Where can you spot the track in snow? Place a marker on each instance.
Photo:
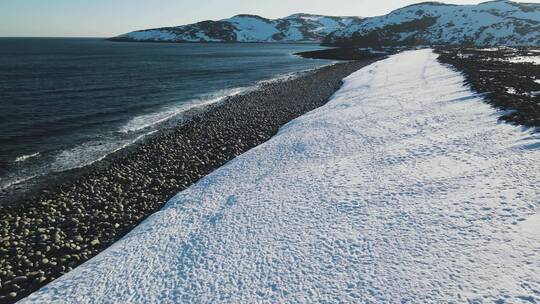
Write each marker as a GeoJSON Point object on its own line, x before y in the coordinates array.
{"type": "Point", "coordinates": [403, 188]}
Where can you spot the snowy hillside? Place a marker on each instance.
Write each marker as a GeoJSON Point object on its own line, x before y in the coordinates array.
{"type": "Point", "coordinates": [404, 188]}
{"type": "Point", "coordinates": [247, 28]}
{"type": "Point", "coordinates": [489, 23]}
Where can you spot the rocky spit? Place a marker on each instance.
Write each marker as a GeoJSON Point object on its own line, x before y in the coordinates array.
{"type": "Point", "coordinates": [508, 85]}
{"type": "Point", "coordinates": [48, 235]}
{"type": "Point", "coordinates": [342, 53]}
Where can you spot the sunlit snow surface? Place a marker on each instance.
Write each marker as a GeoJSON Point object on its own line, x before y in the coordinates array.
{"type": "Point", "coordinates": [526, 59]}
{"type": "Point", "coordinates": [404, 188]}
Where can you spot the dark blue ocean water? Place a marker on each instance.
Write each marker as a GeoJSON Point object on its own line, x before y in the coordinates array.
{"type": "Point", "coordinates": [65, 103]}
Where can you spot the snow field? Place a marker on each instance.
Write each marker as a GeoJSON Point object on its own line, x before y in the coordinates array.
{"type": "Point", "coordinates": [404, 188]}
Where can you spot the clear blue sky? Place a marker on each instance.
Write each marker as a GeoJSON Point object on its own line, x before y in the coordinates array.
{"type": "Point", "coordinates": [104, 18]}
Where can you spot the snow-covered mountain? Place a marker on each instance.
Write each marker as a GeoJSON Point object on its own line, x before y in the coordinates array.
{"type": "Point", "coordinates": [247, 28]}
{"type": "Point", "coordinates": [488, 23]}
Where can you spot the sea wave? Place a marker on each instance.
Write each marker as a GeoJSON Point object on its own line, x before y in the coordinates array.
{"type": "Point", "coordinates": [77, 157]}
{"type": "Point", "coordinates": [148, 120]}
{"type": "Point", "coordinates": [13, 182]}
{"type": "Point", "coordinates": [91, 152]}
{"type": "Point", "coordinates": [142, 122]}
{"type": "Point", "coordinates": [26, 157]}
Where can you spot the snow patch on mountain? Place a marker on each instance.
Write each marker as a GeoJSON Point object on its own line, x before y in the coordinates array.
{"type": "Point", "coordinates": [253, 28]}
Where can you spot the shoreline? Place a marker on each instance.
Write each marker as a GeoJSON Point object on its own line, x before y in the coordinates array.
{"type": "Point", "coordinates": [19, 193]}
{"type": "Point", "coordinates": [50, 233]}
{"type": "Point", "coordinates": [30, 188]}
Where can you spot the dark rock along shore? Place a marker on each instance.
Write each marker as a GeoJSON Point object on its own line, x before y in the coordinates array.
{"type": "Point", "coordinates": [489, 73]}
{"type": "Point", "coordinates": [342, 53]}
{"type": "Point", "coordinates": [48, 235]}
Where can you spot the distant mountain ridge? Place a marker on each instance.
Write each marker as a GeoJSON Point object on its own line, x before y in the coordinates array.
{"type": "Point", "coordinates": [431, 23]}
{"type": "Point", "coordinates": [247, 28]}
{"type": "Point", "coordinates": [499, 22]}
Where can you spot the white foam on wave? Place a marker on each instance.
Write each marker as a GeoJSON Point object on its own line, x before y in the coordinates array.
{"type": "Point", "coordinates": [13, 182]}
{"type": "Point", "coordinates": [282, 77]}
{"type": "Point", "coordinates": [26, 157]}
{"type": "Point", "coordinates": [77, 157]}
{"type": "Point", "coordinates": [91, 152]}
{"type": "Point", "coordinates": [148, 120]}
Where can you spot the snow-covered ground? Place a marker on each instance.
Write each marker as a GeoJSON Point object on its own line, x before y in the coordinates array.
{"type": "Point", "coordinates": [404, 188]}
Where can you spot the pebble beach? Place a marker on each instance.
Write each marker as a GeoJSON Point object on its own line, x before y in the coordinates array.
{"type": "Point", "coordinates": [46, 235]}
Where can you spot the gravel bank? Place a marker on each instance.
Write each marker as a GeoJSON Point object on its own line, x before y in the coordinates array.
{"type": "Point", "coordinates": [49, 235]}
